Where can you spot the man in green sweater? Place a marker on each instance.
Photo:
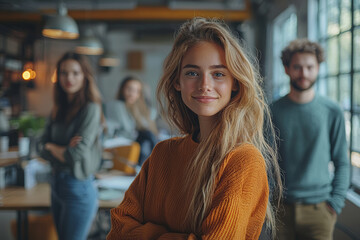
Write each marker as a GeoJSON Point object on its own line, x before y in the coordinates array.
{"type": "Point", "coordinates": [311, 135]}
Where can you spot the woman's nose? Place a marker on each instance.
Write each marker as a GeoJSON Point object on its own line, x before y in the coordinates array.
{"type": "Point", "coordinates": [68, 77]}
{"type": "Point", "coordinates": [205, 83]}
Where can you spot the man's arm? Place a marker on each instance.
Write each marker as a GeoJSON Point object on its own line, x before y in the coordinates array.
{"type": "Point", "coordinates": [339, 156]}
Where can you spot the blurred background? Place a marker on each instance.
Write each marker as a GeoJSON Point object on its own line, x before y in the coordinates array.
{"type": "Point", "coordinates": [123, 37]}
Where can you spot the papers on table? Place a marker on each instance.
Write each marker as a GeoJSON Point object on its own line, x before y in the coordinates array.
{"type": "Point", "coordinates": [116, 142]}
{"type": "Point", "coordinates": [116, 182]}
{"type": "Point", "coordinates": [111, 188]}
{"type": "Point", "coordinates": [110, 194]}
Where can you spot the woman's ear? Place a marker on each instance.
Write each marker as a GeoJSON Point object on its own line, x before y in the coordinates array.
{"type": "Point", "coordinates": [235, 85]}
{"type": "Point", "coordinates": [177, 86]}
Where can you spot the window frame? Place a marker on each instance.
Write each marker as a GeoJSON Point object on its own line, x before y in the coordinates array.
{"type": "Point", "coordinates": [275, 68]}
{"type": "Point", "coordinates": [350, 111]}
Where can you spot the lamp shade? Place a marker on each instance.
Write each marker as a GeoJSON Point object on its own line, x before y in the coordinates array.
{"type": "Point", "coordinates": [61, 26]}
{"type": "Point", "coordinates": [109, 60]}
{"type": "Point", "coordinates": [90, 45]}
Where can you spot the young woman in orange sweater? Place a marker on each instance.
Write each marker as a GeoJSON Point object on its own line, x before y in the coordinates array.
{"type": "Point", "coordinates": [212, 183]}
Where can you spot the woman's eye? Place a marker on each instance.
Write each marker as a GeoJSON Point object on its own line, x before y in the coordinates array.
{"type": "Point", "coordinates": [219, 74]}
{"type": "Point", "coordinates": [191, 74]}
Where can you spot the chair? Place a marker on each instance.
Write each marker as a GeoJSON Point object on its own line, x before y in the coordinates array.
{"type": "Point", "coordinates": [41, 227]}
{"type": "Point", "coordinates": [125, 158]}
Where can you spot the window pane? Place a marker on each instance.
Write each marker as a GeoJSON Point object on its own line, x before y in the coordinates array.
{"type": "Point", "coordinates": [322, 19]}
{"type": "Point", "coordinates": [356, 12]}
{"type": "Point", "coordinates": [332, 88]}
{"type": "Point", "coordinates": [323, 66]}
{"type": "Point", "coordinates": [322, 5]}
{"type": "Point", "coordinates": [284, 31]}
{"type": "Point", "coordinates": [284, 89]}
{"type": "Point", "coordinates": [355, 161]}
{"type": "Point", "coordinates": [356, 132]}
{"type": "Point", "coordinates": [357, 49]}
{"type": "Point", "coordinates": [321, 86]}
{"type": "Point", "coordinates": [336, 34]}
{"type": "Point", "coordinates": [345, 91]}
{"type": "Point", "coordinates": [333, 56]}
{"type": "Point", "coordinates": [347, 117]}
{"type": "Point", "coordinates": [333, 18]}
{"type": "Point", "coordinates": [356, 92]}
{"type": "Point", "coordinates": [345, 53]}
{"type": "Point", "coordinates": [345, 17]}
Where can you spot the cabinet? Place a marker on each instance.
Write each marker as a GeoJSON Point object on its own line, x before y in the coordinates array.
{"type": "Point", "coordinates": [15, 55]}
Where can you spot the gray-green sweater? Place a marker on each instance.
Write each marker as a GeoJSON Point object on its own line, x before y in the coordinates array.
{"type": "Point", "coordinates": [310, 136]}
{"type": "Point", "coordinates": [83, 159]}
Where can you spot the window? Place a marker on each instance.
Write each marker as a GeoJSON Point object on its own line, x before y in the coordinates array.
{"type": "Point", "coordinates": [339, 79]}
{"type": "Point", "coordinates": [284, 31]}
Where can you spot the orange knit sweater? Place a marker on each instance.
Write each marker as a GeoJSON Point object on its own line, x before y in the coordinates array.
{"type": "Point", "coordinates": [154, 208]}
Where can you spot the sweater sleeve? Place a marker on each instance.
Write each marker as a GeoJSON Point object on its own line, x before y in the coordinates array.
{"type": "Point", "coordinates": [341, 162]}
{"type": "Point", "coordinates": [86, 154]}
{"type": "Point", "coordinates": [45, 138]}
{"type": "Point", "coordinates": [240, 201]}
{"type": "Point", "coordinates": [127, 220]}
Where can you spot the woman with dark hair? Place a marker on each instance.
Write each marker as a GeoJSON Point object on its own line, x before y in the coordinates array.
{"type": "Point", "coordinates": [133, 117]}
{"type": "Point", "coordinates": [212, 182]}
{"type": "Point", "coordinates": [71, 143]}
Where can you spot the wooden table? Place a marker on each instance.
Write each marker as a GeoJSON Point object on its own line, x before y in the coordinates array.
{"type": "Point", "coordinates": [37, 198]}
{"type": "Point", "coordinates": [9, 158]}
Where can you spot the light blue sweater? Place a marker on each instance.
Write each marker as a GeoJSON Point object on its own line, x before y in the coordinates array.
{"type": "Point", "coordinates": [310, 136]}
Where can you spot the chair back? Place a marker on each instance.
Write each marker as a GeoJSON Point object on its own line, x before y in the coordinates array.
{"type": "Point", "coordinates": [125, 158]}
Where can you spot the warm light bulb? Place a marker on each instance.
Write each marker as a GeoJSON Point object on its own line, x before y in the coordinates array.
{"type": "Point", "coordinates": [26, 75]}
{"type": "Point", "coordinates": [32, 74]}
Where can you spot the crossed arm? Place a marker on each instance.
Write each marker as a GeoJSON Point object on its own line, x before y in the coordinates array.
{"type": "Point", "coordinates": [58, 151]}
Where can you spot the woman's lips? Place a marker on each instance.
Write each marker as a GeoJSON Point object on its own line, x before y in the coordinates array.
{"type": "Point", "coordinates": [205, 99]}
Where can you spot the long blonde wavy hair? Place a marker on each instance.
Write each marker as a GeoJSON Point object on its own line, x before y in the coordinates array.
{"type": "Point", "coordinates": [241, 121]}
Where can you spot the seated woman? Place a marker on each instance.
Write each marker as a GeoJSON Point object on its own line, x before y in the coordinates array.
{"type": "Point", "coordinates": [130, 117]}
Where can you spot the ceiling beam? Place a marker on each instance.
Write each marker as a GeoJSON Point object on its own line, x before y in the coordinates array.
{"type": "Point", "coordinates": [136, 14]}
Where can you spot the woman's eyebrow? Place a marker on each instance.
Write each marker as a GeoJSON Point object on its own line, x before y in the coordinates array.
{"type": "Point", "coordinates": [196, 66]}
{"type": "Point", "coordinates": [218, 66]}
{"type": "Point", "coordinates": [191, 66]}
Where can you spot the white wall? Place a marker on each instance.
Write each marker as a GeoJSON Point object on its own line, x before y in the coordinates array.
{"type": "Point", "coordinates": [154, 54]}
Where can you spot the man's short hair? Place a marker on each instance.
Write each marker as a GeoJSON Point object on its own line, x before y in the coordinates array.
{"type": "Point", "coordinates": [302, 46]}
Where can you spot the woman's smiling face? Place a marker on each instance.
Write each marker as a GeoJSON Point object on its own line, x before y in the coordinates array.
{"type": "Point", "coordinates": [205, 82]}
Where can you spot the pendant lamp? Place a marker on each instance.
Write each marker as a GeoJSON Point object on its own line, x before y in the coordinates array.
{"type": "Point", "coordinates": [61, 26]}
{"type": "Point", "coordinates": [90, 45]}
{"type": "Point", "coordinates": [109, 60]}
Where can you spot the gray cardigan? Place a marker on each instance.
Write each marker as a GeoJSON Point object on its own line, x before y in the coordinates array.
{"type": "Point", "coordinates": [119, 120]}
{"type": "Point", "coordinates": [83, 159]}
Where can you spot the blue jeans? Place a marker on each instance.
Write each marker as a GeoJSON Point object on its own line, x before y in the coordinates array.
{"type": "Point", "coordinates": [74, 205]}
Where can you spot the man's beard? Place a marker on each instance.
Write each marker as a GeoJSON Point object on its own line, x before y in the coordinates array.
{"type": "Point", "coordinates": [299, 88]}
